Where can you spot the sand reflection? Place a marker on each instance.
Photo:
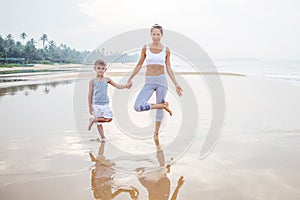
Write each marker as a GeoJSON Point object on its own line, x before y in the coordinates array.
{"type": "Point", "coordinates": [104, 185]}
{"type": "Point", "coordinates": [155, 178]}
{"type": "Point", "coordinates": [32, 87]}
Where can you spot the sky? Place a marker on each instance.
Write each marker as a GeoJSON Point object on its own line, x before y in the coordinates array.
{"type": "Point", "coordinates": [261, 29]}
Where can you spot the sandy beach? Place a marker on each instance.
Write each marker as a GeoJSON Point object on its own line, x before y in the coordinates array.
{"type": "Point", "coordinates": [44, 147]}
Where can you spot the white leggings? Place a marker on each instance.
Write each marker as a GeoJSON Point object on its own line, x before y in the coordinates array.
{"type": "Point", "coordinates": [152, 83]}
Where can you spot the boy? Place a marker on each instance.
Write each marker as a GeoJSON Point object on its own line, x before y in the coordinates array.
{"type": "Point", "coordinates": [98, 99]}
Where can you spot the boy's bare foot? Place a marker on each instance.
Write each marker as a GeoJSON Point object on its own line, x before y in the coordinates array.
{"type": "Point", "coordinates": [92, 157]}
{"type": "Point", "coordinates": [90, 123]}
{"type": "Point", "coordinates": [166, 107]}
{"type": "Point", "coordinates": [103, 140]}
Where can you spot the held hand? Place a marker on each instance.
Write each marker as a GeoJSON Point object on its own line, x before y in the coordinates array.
{"type": "Point", "coordinates": [129, 85]}
{"type": "Point", "coordinates": [134, 192]}
{"type": "Point", "coordinates": [91, 110]}
{"type": "Point", "coordinates": [179, 90]}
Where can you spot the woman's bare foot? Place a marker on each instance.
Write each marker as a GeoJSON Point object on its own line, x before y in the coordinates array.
{"type": "Point", "coordinates": [166, 107]}
{"type": "Point", "coordinates": [168, 167]}
{"type": "Point", "coordinates": [91, 124]}
{"type": "Point", "coordinates": [156, 137]}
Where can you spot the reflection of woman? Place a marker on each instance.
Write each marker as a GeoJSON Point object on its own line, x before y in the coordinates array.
{"type": "Point", "coordinates": [102, 179]}
{"type": "Point", "coordinates": [156, 181]}
{"type": "Point", "coordinates": [157, 56]}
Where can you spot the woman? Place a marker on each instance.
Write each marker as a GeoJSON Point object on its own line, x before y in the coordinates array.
{"type": "Point", "coordinates": [157, 58]}
{"type": "Point", "coordinates": [156, 180]}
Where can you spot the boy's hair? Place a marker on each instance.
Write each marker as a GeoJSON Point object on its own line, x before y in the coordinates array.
{"type": "Point", "coordinates": [100, 62]}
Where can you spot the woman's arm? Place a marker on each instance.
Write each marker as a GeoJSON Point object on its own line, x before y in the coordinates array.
{"type": "Point", "coordinates": [138, 66]}
{"type": "Point", "coordinates": [116, 85]}
{"type": "Point", "coordinates": [90, 95]}
{"type": "Point", "coordinates": [171, 73]}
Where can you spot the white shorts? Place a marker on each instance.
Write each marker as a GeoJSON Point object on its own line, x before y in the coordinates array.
{"type": "Point", "coordinates": [102, 111]}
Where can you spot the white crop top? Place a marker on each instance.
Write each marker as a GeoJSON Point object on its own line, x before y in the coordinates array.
{"type": "Point", "coordinates": [155, 58]}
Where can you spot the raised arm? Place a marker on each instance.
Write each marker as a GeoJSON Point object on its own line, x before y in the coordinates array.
{"type": "Point", "coordinates": [138, 66]}
{"type": "Point", "coordinates": [116, 85]}
{"type": "Point", "coordinates": [171, 73]}
{"type": "Point", "coordinates": [179, 184]}
{"type": "Point", "coordinates": [90, 96]}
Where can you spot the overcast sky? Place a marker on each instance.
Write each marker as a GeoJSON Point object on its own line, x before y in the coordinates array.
{"type": "Point", "coordinates": [263, 29]}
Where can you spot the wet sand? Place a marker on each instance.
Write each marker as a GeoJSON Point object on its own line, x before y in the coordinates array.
{"type": "Point", "coordinates": [45, 154]}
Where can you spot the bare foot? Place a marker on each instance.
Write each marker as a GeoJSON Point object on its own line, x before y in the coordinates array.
{"type": "Point", "coordinates": [166, 107]}
{"type": "Point", "coordinates": [156, 138]}
{"type": "Point", "coordinates": [168, 167]}
{"type": "Point", "coordinates": [103, 140]}
{"type": "Point", "coordinates": [92, 157]}
{"type": "Point", "coordinates": [91, 124]}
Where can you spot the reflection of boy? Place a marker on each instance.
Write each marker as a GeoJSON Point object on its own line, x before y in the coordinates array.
{"type": "Point", "coordinates": [98, 99]}
{"type": "Point", "coordinates": [102, 178]}
{"type": "Point", "coordinates": [156, 181]}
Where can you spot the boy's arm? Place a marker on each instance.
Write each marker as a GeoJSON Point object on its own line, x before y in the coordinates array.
{"type": "Point", "coordinates": [90, 95]}
{"type": "Point", "coordinates": [116, 85]}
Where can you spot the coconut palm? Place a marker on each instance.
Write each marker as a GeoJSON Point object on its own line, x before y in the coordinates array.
{"type": "Point", "coordinates": [44, 38]}
{"type": "Point", "coordinates": [32, 42]}
{"type": "Point", "coordinates": [23, 36]}
{"type": "Point", "coordinates": [52, 49]}
{"type": "Point", "coordinates": [9, 37]}
{"type": "Point", "coordinates": [29, 50]}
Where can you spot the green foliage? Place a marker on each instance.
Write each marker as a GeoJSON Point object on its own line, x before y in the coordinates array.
{"type": "Point", "coordinates": [45, 62]}
{"type": "Point", "coordinates": [10, 65]}
{"type": "Point", "coordinates": [25, 52]}
{"type": "Point", "coordinates": [11, 50]}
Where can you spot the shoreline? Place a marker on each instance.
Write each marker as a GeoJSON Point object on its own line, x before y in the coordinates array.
{"type": "Point", "coordinates": [39, 67]}
{"type": "Point", "coordinates": [41, 73]}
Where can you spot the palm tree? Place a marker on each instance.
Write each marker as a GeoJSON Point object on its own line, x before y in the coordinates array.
{"type": "Point", "coordinates": [23, 36]}
{"type": "Point", "coordinates": [9, 37]}
{"type": "Point", "coordinates": [29, 50]}
{"type": "Point", "coordinates": [9, 44]}
{"type": "Point", "coordinates": [44, 38]}
{"type": "Point", "coordinates": [10, 40]}
{"type": "Point", "coordinates": [32, 42]}
{"type": "Point", "coordinates": [52, 49]}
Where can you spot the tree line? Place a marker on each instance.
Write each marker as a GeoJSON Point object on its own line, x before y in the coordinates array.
{"type": "Point", "coordinates": [112, 57]}
{"type": "Point", "coordinates": [25, 51]}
